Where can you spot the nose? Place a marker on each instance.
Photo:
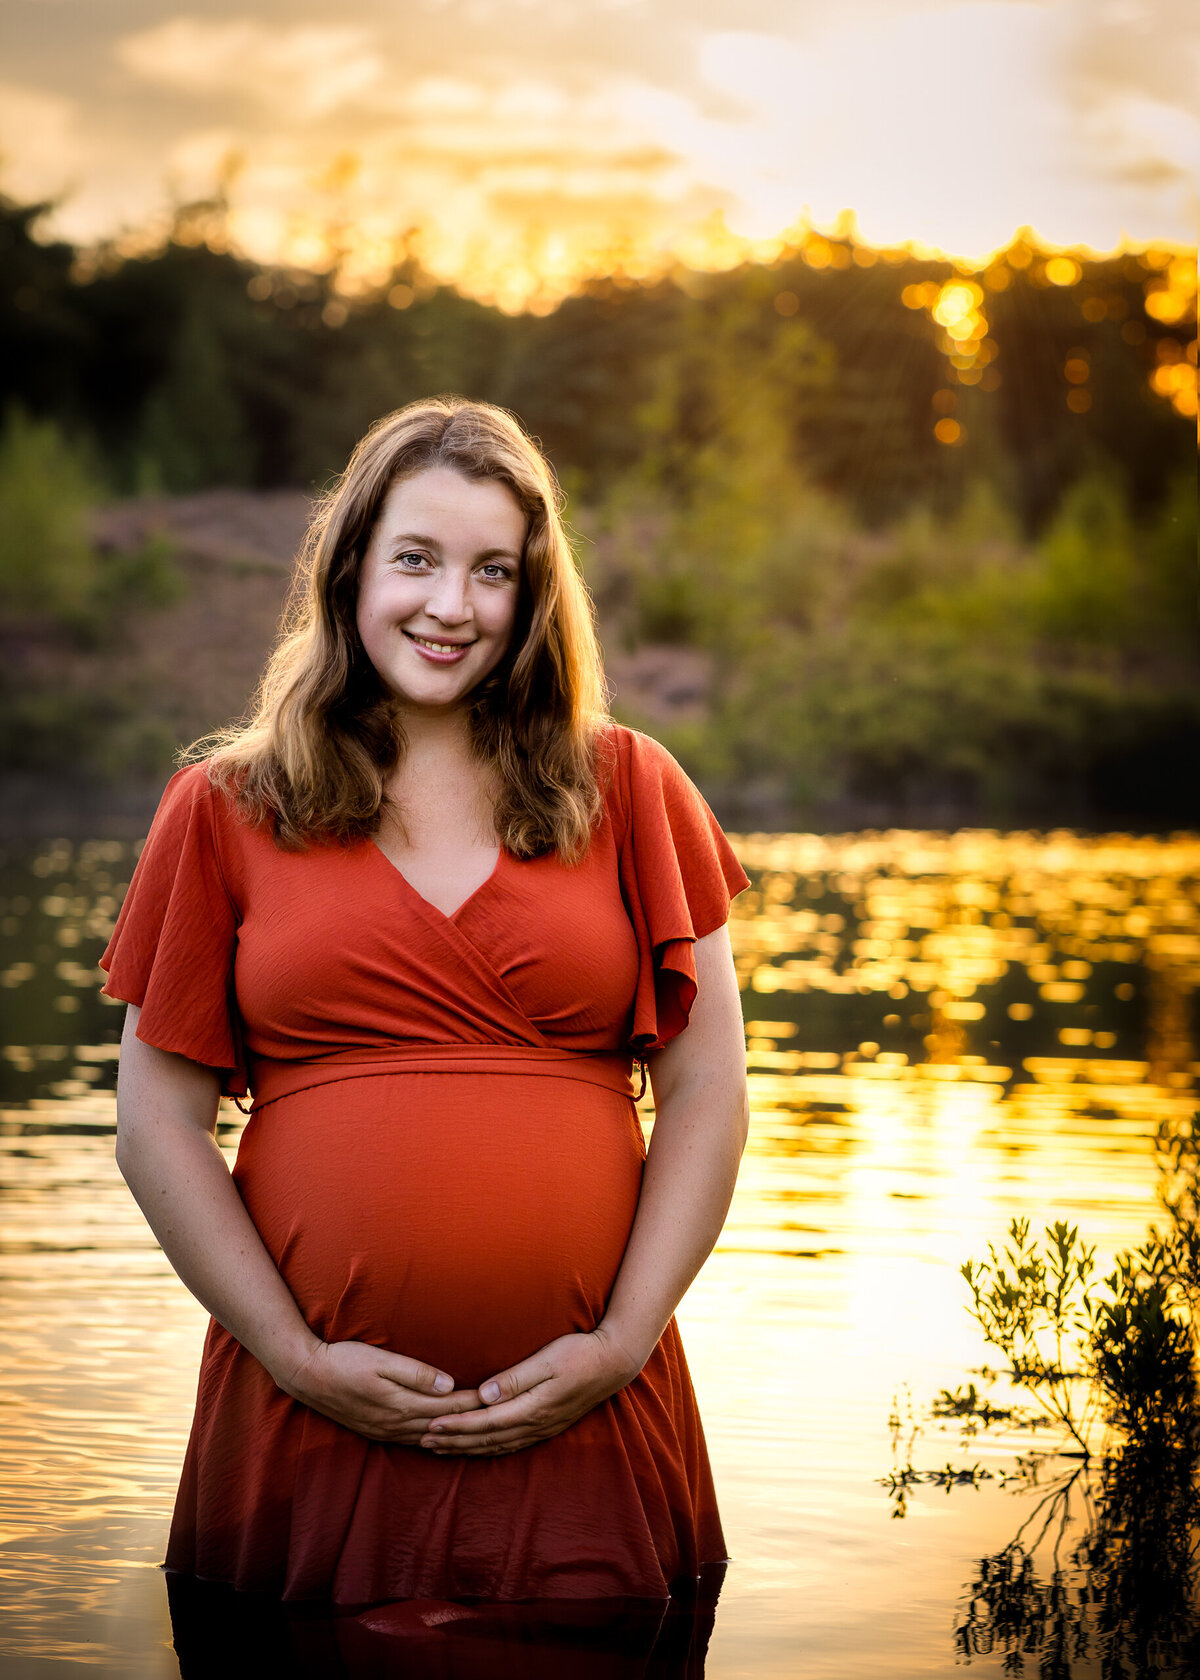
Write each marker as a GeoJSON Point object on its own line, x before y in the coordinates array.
{"type": "Point", "coordinates": [447, 598]}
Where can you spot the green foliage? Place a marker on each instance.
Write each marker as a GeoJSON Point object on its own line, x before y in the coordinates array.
{"type": "Point", "coordinates": [969, 1403]}
{"type": "Point", "coordinates": [1142, 1354]}
{"type": "Point", "coordinates": [52, 729]}
{"type": "Point", "coordinates": [944, 666]}
{"type": "Point", "coordinates": [1168, 545]}
{"type": "Point", "coordinates": [140, 579]}
{"type": "Point", "coordinates": [1179, 1147]}
{"type": "Point", "coordinates": [703, 520]}
{"type": "Point", "coordinates": [1131, 1353]}
{"type": "Point", "coordinates": [1122, 1570]}
{"type": "Point", "coordinates": [947, 1477]}
{"type": "Point", "coordinates": [1086, 587]}
{"type": "Point", "coordinates": [50, 569]}
{"type": "Point", "coordinates": [65, 599]}
{"type": "Point", "coordinates": [192, 430]}
{"type": "Point", "coordinates": [1033, 1307]}
{"type": "Point", "coordinates": [47, 486]}
{"type": "Point", "coordinates": [732, 386]}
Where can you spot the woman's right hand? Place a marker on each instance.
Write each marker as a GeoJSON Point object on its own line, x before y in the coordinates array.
{"type": "Point", "coordinates": [375, 1392]}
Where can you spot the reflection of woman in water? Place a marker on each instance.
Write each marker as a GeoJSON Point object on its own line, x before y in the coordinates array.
{"type": "Point", "coordinates": [425, 907]}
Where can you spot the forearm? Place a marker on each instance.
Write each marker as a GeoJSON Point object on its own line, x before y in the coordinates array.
{"type": "Point", "coordinates": [182, 1185]}
{"type": "Point", "coordinates": [180, 1180]}
{"type": "Point", "coordinates": [688, 1183]}
{"type": "Point", "coordinates": [173, 1165]}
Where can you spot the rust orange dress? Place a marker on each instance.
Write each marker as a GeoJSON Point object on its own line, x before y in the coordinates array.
{"type": "Point", "coordinates": [443, 1157]}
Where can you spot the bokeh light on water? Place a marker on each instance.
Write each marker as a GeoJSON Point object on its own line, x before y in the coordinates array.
{"type": "Point", "coordinates": [943, 1032]}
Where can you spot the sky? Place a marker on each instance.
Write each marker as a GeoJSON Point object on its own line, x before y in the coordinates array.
{"type": "Point", "coordinates": [532, 141]}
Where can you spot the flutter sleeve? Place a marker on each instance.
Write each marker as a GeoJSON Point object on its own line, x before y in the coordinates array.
{"type": "Point", "coordinates": [172, 950]}
{"type": "Point", "coordinates": [678, 876]}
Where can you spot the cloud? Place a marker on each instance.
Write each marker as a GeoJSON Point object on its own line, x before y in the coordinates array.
{"type": "Point", "coordinates": [950, 125]}
{"type": "Point", "coordinates": [198, 160]}
{"type": "Point", "coordinates": [1130, 78]}
{"type": "Point", "coordinates": [41, 146]}
{"type": "Point", "coordinates": [519, 126]}
{"type": "Point", "coordinates": [307, 70]}
{"type": "Point", "coordinates": [937, 125]}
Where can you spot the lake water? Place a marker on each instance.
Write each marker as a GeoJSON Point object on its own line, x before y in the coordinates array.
{"type": "Point", "coordinates": [944, 1033]}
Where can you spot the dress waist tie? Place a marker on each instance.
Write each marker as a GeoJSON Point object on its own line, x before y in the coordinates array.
{"type": "Point", "coordinates": [272, 1078]}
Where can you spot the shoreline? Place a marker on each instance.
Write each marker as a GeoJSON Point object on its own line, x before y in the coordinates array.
{"type": "Point", "coordinates": [36, 808]}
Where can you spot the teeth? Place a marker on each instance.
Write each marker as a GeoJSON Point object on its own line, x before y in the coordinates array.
{"type": "Point", "coordinates": [439, 647]}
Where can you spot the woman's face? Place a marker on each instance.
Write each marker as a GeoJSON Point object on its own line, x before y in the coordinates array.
{"type": "Point", "coordinates": [439, 584]}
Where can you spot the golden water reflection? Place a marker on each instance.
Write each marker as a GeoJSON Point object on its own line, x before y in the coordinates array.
{"type": "Point", "coordinates": [943, 1032]}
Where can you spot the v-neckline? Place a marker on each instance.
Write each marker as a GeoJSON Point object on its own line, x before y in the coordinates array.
{"type": "Point", "coordinates": [446, 915]}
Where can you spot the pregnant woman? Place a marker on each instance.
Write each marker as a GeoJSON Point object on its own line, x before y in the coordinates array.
{"type": "Point", "coordinates": [427, 907]}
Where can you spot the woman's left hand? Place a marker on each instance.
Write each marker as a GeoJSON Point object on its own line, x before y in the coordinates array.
{"type": "Point", "coordinates": [536, 1399]}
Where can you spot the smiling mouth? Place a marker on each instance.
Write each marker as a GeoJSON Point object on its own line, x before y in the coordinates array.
{"type": "Point", "coordinates": [436, 647]}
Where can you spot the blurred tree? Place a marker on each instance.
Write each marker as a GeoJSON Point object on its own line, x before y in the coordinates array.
{"type": "Point", "coordinates": [47, 487]}
{"type": "Point", "coordinates": [43, 333]}
{"type": "Point", "coordinates": [192, 430]}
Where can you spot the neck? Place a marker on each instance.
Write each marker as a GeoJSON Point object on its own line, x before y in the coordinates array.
{"type": "Point", "coordinates": [434, 733]}
{"type": "Point", "coordinates": [439, 768]}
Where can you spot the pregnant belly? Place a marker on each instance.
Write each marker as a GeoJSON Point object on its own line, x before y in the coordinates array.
{"type": "Point", "coordinates": [463, 1219]}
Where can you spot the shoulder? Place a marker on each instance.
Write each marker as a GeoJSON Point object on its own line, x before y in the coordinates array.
{"type": "Point", "coordinates": [191, 784]}
{"type": "Point", "coordinates": [634, 753]}
{"type": "Point", "coordinates": [640, 756]}
{"type": "Point", "coordinates": [188, 793]}
{"type": "Point", "coordinates": [191, 797]}
{"type": "Point", "coordinates": [198, 820]}
{"type": "Point", "coordinates": [647, 778]}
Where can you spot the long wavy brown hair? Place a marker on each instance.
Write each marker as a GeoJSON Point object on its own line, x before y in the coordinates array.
{"type": "Point", "coordinates": [313, 755]}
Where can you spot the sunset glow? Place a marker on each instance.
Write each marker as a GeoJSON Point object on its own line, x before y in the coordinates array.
{"type": "Point", "coordinates": [518, 149]}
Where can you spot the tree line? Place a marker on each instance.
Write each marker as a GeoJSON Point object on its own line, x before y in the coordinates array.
{"type": "Point", "coordinates": [930, 537]}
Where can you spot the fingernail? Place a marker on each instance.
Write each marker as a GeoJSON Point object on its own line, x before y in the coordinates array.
{"type": "Point", "coordinates": [442, 1384]}
{"type": "Point", "coordinates": [435, 1429]}
{"type": "Point", "coordinates": [490, 1392]}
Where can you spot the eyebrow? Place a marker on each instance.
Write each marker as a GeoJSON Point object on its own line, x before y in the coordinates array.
{"type": "Point", "coordinates": [407, 537]}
